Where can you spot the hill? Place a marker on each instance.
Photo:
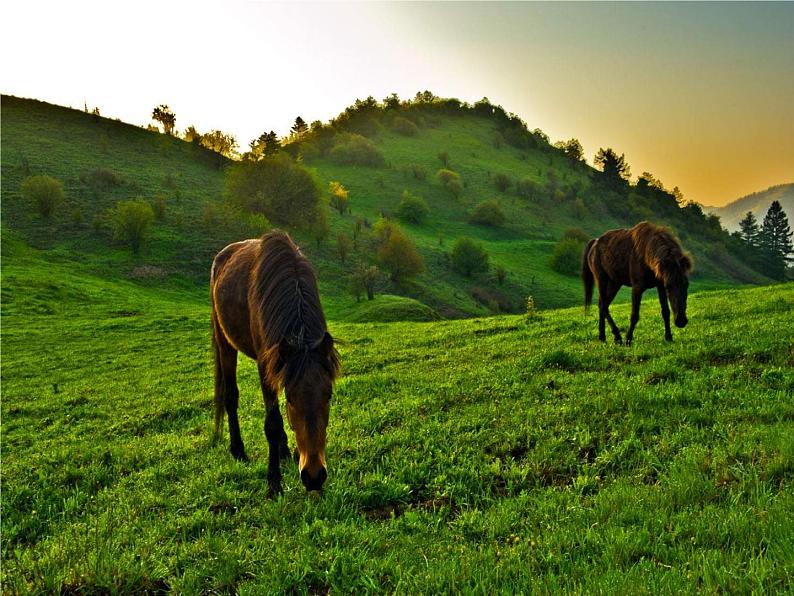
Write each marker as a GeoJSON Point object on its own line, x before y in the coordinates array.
{"type": "Point", "coordinates": [758, 202]}
{"type": "Point", "coordinates": [482, 455]}
{"type": "Point", "coordinates": [541, 190]}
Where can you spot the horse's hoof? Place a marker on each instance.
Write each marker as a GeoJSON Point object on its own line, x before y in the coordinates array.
{"type": "Point", "coordinates": [283, 451]}
{"type": "Point", "coordinates": [668, 338]}
{"type": "Point", "coordinates": [619, 341]}
{"type": "Point", "coordinates": [628, 343]}
{"type": "Point", "coordinates": [274, 491]}
{"type": "Point", "coordinates": [239, 454]}
{"type": "Point", "coordinates": [602, 338]}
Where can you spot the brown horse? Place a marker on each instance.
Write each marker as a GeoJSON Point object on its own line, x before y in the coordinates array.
{"type": "Point", "coordinates": [643, 257]}
{"type": "Point", "coordinates": [265, 304]}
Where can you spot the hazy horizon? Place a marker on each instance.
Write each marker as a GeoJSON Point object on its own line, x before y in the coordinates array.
{"type": "Point", "coordinates": [698, 94]}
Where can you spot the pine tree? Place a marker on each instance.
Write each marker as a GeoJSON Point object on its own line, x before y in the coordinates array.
{"type": "Point", "coordinates": [776, 240]}
{"type": "Point", "coordinates": [300, 128]}
{"type": "Point", "coordinates": [749, 229]}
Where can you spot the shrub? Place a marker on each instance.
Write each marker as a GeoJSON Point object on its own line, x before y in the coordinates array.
{"type": "Point", "coordinates": [343, 246]}
{"type": "Point", "coordinates": [577, 234]}
{"type": "Point", "coordinates": [45, 192]}
{"type": "Point", "coordinates": [354, 149]}
{"type": "Point", "coordinates": [567, 257]}
{"type": "Point", "coordinates": [398, 255]}
{"type": "Point", "coordinates": [130, 220]}
{"type": "Point", "coordinates": [487, 213]}
{"type": "Point", "coordinates": [451, 181]}
{"type": "Point", "coordinates": [412, 208]}
{"type": "Point", "coordinates": [502, 182]}
{"type": "Point", "coordinates": [404, 127]}
{"type": "Point", "coordinates": [418, 171]}
{"type": "Point", "coordinates": [469, 257]}
{"type": "Point", "coordinates": [365, 280]}
{"type": "Point", "coordinates": [532, 312]}
{"type": "Point", "coordinates": [443, 156]}
{"type": "Point", "coordinates": [158, 206]}
{"type": "Point", "coordinates": [284, 191]}
{"type": "Point", "coordinates": [101, 179]}
{"type": "Point", "coordinates": [340, 197]}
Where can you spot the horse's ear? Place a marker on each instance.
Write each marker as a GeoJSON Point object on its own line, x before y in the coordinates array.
{"type": "Point", "coordinates": [326, 344]}
{"type": "Point", "coordinates": [686, 263]}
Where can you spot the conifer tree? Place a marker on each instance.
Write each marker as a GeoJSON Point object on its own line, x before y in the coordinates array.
{"type": "Point", "coordinates": [749, 229]}
{"type": "Point", "coordinates": [776, 240]}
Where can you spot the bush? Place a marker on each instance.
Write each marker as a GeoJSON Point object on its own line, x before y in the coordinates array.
{"type": "Point", "coordinates": [340, 197]}
{"type": "Point", "coordinates": [577, 234]}
{"type": "Point", "coordinates": [45, 192]}
{"type": "Point", "coordinates": [443, 157]}
{"type": "Point", "coordinates": [277, 187]}
{"type": "Point", "coordinates": [101, 179]}
{"type": "Point", "coordinates": [567, 257]}
{"type": "Point", "coordinates": [158, 206]}
{"type": "Point", "coordinates": [411, 208]}
{"type": "Point", "coordinates": [469, 257]}
{"type": "Point", "coordinates": [130, 220]}
{"type": "Point", "coordinates": [487, 213]}
{"type": "Point", "coordinates": [502, 182]}
{"type": "Point", "coordinates": [398, 255]}
{"type": "Point", "coordinates": [451, 181]}
{"type": "Point", "coordinates": [418, 171]}
{"type": "Point", "coordinates": [365, 281]}
{"type": "Point", "coordinates": [404, 127]}
{"type": "Point", "coordinates": [528, 188]}
{"type": "Point", "coordinates": [343, 246]}
{"type": "Point", "coordinates": [354, 149]}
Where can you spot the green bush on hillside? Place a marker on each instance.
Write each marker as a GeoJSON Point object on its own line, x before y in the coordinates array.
{"type": "Point", "coordinates": [340, 197]}
{"type": "Point", "coordinates": [131, 220]}
{"type": "Point", "coordinates": [502, 182]}
{"type": "Point", "coordinates": [354, 149]}
{"type": "Point", "coordinates": [412, 208]}
{"type": "Point", "coordinates": [404, 127]}
{"type": "Point", "coordinates": [488, 213]}
{"type": "Point", "coordinates": [528, 188]}
{"type": "Point", "coordinates": [469, 257]}
{"type": "Point", "coordinates": [45, 192]}
{"type": "Point", "coordinates": [451, 181]}
{"type": "Point", "coordinates": [396, 251]}
{"type": "Point", "coordinates": [277, 187]}
{"type": "Point", "coordinates": [567, 257]}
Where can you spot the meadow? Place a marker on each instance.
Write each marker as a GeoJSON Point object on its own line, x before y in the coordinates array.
{"type": "Point", "coordinates": [485, 455]}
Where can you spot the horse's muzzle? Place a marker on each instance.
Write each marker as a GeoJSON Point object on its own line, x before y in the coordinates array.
{"type": "Point", "coordinates": [313, 482]}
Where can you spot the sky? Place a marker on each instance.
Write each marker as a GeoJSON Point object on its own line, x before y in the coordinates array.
{"type": "Point", "coordinates": [699, 94]}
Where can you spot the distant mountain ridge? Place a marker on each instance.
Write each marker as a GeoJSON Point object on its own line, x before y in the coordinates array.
{"type": "Point", "coordinates": [757, 202]}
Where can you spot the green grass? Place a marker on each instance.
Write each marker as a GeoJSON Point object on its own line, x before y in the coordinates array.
{"type": "Point", "coordinates": [485, 455]}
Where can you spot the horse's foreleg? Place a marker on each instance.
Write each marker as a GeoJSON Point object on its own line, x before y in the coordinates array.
{"type": "Point", "coordinates": [668, 335]}
{"type": "Point", "coordinates": [636, 300]}
{"type": "Point", "coordinates": [231, 397]}
{"type": "Point", "coordinates": [276, 437]}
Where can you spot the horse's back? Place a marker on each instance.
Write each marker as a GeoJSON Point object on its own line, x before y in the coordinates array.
{"type": "Point", "coordinates": [229, 282]}
{"type": "Point", "coordinates": [611, 255]}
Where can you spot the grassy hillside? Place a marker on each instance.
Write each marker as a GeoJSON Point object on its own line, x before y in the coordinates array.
{"type": "Point", "coordinates": [757, 202]}
{"type": "Point", "coordinates": [102, 161]}
{"type": "Point", "coordinates": [481, 455]}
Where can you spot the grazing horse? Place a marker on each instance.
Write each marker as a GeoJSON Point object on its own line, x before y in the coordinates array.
{"type": "Point", "coordinates": [642, 257]}
{"type": "Point", "coordinates": [265, 304]}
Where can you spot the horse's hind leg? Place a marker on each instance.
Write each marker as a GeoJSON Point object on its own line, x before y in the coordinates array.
{"type": "Point", "coordinates": [226, 392]}
{"type": "Point", "coordinates": [274, 431]}
{"type": "Point", "coordinates": [606, 294]}
{"type": "Point", "coordinates": [636, 300]}
{"type": "Point", "coordinates": [668, 335]}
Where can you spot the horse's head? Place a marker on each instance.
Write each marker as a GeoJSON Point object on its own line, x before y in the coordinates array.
{"type": "Point", "coordinates": [308, 395]}
{"type": "Point", "coordinates": [676, 282]}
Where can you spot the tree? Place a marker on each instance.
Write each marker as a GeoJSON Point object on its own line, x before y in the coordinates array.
{"type": "Point", "coordinates": [45, 192]}
{"type": "Point", "coordinates": [487, 213]}
{"type": "Point", "coordinates": [412, 208]}
{"type": "Point", "coordinates": [398, 255]}
{"type": "Point", "coordinates": [299, 129]}
{"type": "Point", "coordinates": [749, 229]}
{"type": "Point", "coordinates": [572, 148]}
{"type": "Point", "coordinates": [365, 280]}
{"type": "Point", "coordinates": [166, 117]}
{"type": "Point", "coordinates": [191, 135]}
{"type": "Point", "coordinates": [469, 257]}
{"type": "Point", "coordinates": [343, 245]}
{"type": "Point", "coordinates": [265, 145]}
{"type": "Point", "coordinates": [130, 221]}
{"type": "Point", "coordinates": [220, 142]}
{"type": "Point", "coordinates": [392, 101]}
{"type": "Point", "coordinates": [776, 240]}
{"type": "Point", "coordinates": [340, 197]}
{"type": "Point", "coordinates": [616, 170]}
{"type": "Point", "coordinates": [451, 181]}
{"type": "Point", "coordinates": [284, 191]}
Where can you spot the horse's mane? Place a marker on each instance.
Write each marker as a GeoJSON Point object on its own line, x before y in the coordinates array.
{"type": "Point", "coordinates": [288, 304]}
{"type": "Point", "coordinates": [659, 249]}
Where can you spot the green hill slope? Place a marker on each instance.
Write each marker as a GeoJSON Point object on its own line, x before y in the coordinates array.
{"type": "Point", "coordinates": [482, 455]}
{"type": "Point", "coordinates": [102, 161]}
{"type": "Point", "coordinates": [757, 202]}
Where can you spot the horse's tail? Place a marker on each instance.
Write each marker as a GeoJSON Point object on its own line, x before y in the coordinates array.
{"type": "Point", "coordinates": [587, 275]}
{"type": "Point", "coordinates": [220, 394]}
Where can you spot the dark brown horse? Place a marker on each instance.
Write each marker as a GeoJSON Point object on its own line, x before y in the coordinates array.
{"type": "Point", "coordinates": [646, 256]}
{"type": "Point", "coordinates": [265, 304]}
